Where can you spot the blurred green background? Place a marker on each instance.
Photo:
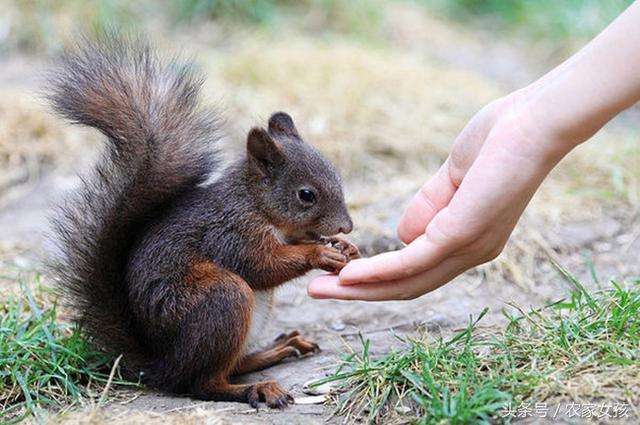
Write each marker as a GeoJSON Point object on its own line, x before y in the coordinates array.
{"type": "Point", "coordinates": [37, 25]}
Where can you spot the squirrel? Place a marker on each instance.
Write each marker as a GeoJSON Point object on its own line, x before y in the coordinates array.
{"type": "Point", "coordinates": [163, 263]}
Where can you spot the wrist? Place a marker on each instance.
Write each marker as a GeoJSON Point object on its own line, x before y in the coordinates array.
{"type": "Point", "coordinates": [533, 134]}
{"type": "Point", "coordinates": [554, 134]}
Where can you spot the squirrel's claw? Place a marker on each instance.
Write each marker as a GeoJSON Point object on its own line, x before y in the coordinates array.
{"type": "Point", "coordinates": [281, 403]}
{"type": "Point", "coordinates": [283, 337]}
{"type": "Point", "coordinates": [270, 393]}
{"type": "Point", "coordinates": [347, 248]}
{"type": "Point", "coordinates": [294, 339]}
{"type": "Point", "coordinates": [329, 259]}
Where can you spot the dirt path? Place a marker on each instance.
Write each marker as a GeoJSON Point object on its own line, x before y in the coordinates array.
{"type": "Point", "coordinates": [611, 241]}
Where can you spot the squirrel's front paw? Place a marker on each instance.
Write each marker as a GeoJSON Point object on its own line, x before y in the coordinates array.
{"type": "Point", "coordinates": [344, 246]}
{"type": "Point", "coordinates": [328, 258]}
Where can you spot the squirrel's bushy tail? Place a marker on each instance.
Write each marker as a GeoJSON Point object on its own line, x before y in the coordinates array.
{"type": "Point", "coordinates": [159, 144]}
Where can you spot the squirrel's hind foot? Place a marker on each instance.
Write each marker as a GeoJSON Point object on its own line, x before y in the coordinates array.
{"type": "Point", "coordinates": [268, 392]}
{"type": "Point", "coordinates": [294, 339]}
{"type": "Point", "coordinates": [284, 346]}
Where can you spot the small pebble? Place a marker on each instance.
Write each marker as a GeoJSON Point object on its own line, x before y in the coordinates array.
{"type": "Point", "coordinates": [603, 247]}
{"type": "Point", "coordinates": [316, 390]}
{"type": "Point", "coordinates": [337, 325]}
{"type": "Point", "coordinates": [317, 399]}
{"type": "Point", "coordinates": [402, 409]}
{"type": "Point", "coordinates": [23, 262]}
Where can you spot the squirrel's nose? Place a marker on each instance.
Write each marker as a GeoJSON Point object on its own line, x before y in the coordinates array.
{"type": "Point", "coordinates": [347, 227]}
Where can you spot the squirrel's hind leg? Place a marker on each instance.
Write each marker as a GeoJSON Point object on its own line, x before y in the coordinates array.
{"type": "Point", "coordinates": [212, 339]}
{"type": "Point", "coordinates": [284, 346]}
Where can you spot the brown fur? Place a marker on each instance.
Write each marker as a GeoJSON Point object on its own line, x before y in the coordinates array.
{"type": "Point", "coordinates": [158, 265]}
{"type": "Point", "coordinates": [201, 272]}
{"type": "Point", "coordinates": [286, 345]}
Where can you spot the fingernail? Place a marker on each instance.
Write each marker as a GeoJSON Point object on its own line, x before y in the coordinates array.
{"type": "Point", "coordinates": [345, 269]}
{"type": "Point", "coordinates": [312, 291]}
{"type": "Point", "coordinates": [316, 288]}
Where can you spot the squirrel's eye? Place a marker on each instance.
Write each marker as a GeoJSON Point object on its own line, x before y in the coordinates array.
{"type": "Point", "coordinates": [307, 196]}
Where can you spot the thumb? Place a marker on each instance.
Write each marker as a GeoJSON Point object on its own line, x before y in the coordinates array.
{"type": "Point", "coordinates": [438, 191]}
{"type": "Point", "coordinates": [434, 195]}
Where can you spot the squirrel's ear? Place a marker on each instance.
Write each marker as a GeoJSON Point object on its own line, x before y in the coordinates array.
{"type": "Point", "coordinates": [265, 152]}
{"type": "Point", "coordinates": [281, 124]}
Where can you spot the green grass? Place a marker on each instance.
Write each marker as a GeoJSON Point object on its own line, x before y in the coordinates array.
{"type": "Point", "coordinates": [37, 26]}
{"type": "Point", "coordinates": [584, 347]}
{"type": "Point", "coordinates": [258, 11]}
{"type": "Point", "coordinates": [45, 364]}
{"type": "Point", "coordinates": [549, 19]}
{"type": "Point", "coordinates": [360, 18]}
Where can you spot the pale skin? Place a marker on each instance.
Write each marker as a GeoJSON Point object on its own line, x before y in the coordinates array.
{"type": "Point", "coordinates": [464, 215]}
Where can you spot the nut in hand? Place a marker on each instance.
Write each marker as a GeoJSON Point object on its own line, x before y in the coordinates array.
{"type": "Point", "coordinates": [329, 258]}
{"type": "Point", "coordinates": [347, 248]}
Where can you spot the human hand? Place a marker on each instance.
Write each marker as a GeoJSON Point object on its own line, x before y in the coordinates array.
{"type": "Point", "coordinates": [463, 215]}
